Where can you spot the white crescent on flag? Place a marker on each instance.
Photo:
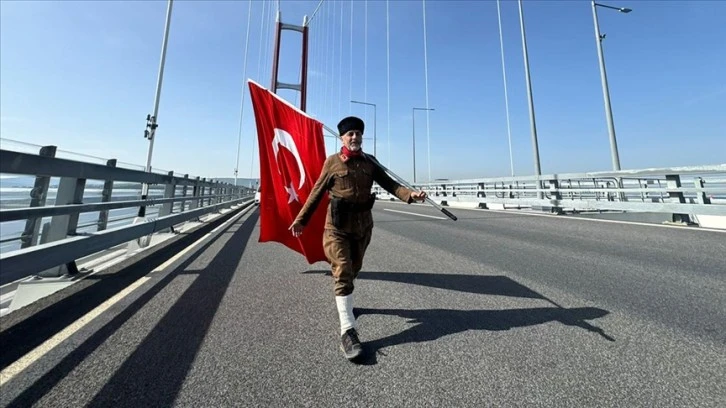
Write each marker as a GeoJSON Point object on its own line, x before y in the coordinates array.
{"type": "Point", "coordinates": [285, 139]}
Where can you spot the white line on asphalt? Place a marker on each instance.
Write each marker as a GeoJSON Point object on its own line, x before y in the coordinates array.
{"type": "Point", "coordinates": [24, 362]}
{"type": "Point", "coordinates": [413, 213]}
{"type": "Point", "coordinates": [554, 216]}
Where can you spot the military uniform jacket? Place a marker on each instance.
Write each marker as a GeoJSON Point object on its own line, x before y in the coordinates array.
{"type": "Point", "coordinates": [350, 178]}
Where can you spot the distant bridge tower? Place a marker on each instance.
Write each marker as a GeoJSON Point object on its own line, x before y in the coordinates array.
{"type": "Point", "coordinates": [302, 87]}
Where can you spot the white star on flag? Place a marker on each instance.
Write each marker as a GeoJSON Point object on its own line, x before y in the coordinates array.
{"type": "Point", "coordinates": [292, 193]}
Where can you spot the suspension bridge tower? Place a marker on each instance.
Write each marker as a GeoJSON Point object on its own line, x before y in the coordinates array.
{"type": "Point", "coordinates": [302, 87]}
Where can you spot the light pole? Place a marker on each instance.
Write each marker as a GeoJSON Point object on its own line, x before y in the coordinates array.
{"type": "Point", "coordinates": [151, 120]}
{"type": "Point", "coordinates": [532, 122]}
{"type": "Point", "coordinates": [375, 126]}
{"type": "Point", "coordinates": [413, 118]}
{"type": "Point", "coordinates": [603, 76]}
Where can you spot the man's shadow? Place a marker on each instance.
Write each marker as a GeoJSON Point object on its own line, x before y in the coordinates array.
{"type": "Point", "coordinates": [432, 324]}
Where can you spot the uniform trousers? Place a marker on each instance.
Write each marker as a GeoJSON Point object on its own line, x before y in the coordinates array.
{"type": "Point", "coordinates": [345, 252]}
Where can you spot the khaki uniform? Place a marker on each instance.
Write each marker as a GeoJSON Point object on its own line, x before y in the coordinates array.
{"type": "Point", "coordinates": [345, 244]}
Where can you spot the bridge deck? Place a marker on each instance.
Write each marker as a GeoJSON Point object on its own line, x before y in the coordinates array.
{"type": "Point", "coordinates": [496, 309]}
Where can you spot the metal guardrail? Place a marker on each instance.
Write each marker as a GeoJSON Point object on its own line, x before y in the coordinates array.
{"type": "Point", "coordinates": [681, 191]}
{"type": "Point", "coordinates": [52, 248]}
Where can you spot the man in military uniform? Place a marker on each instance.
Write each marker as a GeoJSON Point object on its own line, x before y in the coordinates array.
{"type": "Point", "coordinates": [348, 176]}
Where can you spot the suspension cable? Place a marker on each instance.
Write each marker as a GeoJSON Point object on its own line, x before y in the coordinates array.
{"type": "Point", "coordinates": [259, 79]}
{"type": "Point", "coordinates": [388, 84]}
{"type": "Point", "coordinates": [268, 39]}
{"type": "Point", "coordinates": [506, 97]}
{"type": "Point", "coordinates": [426, 74]}
{"type": "Point", "coordinates": [365, 59]}
{"type": "Point", "coordinates": [324, 66]}
{"type": "Point", "coordinates": [340, 78]}
{"type": "Point", "coordinates": [244, 86]}
{"type": "Point", "coordinates": [314, 12]}
{"type": "Point", "coordinates": [350, 88]}
{"type": "Point", "coordinates": [333, 11]}
{"type": "Point", "coordinates": [321, 71]}
{"type": "Point", "coordinates": [259, 50]}
{"type": "Point", "coordinates": [340, 63]}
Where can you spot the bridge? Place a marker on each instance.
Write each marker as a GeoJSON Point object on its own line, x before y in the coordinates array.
{"type": "Point", "coordinates": [126, 285]}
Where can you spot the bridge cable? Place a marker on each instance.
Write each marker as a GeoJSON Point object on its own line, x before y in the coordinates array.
{"type": "Point", "coordinates": [426, 73]}
{"type": "Point", "coordinates": [259, 49]}
{"type": "Point", "coordinates": [315, 12]}
{"type": "Point", "coordinates": [506, 97]}
{"type": "Point", "coordinates": [388, 84]}
{"type": "Point", "coordinates": [350, 88]}
{"type": "Point", "coordinates": [268, 39]}
{"type": "Point", "coordinates": [365, 59]}
{"type": "Point", "coordinates": [324, 34]}
{"type": "Point", "coordinates": [259, 79]}
{"type": "Point", "coordinates": [331, 88]}
{"type": "Point", "coordinates": [324, 66]}
{"type": "Point", "coordinates": [340, 71]}
{"type": "Point", "coordinates": [313, 50]}
{"type": "Point", "coordinates": [244, 86]}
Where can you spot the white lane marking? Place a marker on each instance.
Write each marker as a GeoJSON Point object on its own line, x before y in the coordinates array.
{"type": "Point", "coordinates": [24, 362]}
{"type": "Point", "coordinates": [28, 359]}
{"type": "Point", "coordinates": [553, 216]}
{"type": "Point", "coordinates": [413, 213]}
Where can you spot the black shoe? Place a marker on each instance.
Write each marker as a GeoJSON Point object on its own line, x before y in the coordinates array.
{"type": "Point", "coordinates": [350, 344]}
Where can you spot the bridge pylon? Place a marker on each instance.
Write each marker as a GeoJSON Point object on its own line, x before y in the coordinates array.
{"type": "Point", "coordinates": [302, 87]}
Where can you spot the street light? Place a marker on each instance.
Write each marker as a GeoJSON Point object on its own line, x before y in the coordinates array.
{"type": "Point", "coordinates": [603, 76]}
{"type": "Point", "coordinates": [151, 119]}
{"type": "Point", "coordinates": [532, 121]}
{"type": "Point", "coordinates": [413, 117]}
{"type": "Point", "coordinates": [374, 122]}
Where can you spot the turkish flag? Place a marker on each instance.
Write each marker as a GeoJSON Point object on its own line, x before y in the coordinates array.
{"type": "Point", "coordinates": [292, 154]}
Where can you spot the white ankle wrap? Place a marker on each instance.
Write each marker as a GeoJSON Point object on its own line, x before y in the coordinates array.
{"type": "Point", "coordinates": [345, 312]}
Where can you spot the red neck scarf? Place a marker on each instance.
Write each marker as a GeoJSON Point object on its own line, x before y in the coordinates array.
{"type": "Point", "coordinates": [349, 153]}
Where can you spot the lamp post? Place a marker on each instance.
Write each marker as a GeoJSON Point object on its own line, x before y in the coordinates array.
{"type": "Point", "coordinates": [413, 118]}
{"type": "Point", "coordinates": [603, 77]}
{"type": "Point", "coordinates": [151, 120]}
{"type": "Point", "coordinates": [375, 126]}
{"type": "Point", "coordinates": [532, 122]}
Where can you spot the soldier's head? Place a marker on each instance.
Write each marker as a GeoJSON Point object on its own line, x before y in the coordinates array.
{"type": "Point", "coordinates": [351, 132]}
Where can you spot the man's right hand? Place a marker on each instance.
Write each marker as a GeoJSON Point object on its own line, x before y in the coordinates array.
{"type": "Point", "coordinates": [296, 228]}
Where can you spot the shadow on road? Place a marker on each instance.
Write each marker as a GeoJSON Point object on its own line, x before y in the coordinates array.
{"type": "Point", "coordinates": [478, 284]}
{"type": "Point", "coordinates": [432, 324]}
{"type": "Point", "coordinates": [154, 373]}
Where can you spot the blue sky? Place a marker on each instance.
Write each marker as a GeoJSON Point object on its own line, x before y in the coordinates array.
{"type": "Point", "coordinates": [81, 75]}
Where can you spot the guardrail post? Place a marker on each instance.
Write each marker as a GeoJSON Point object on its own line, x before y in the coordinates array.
{"type": "Point", "coordinates": [184, 194]}
{"type": "Point", "coordinates": [169, 191]}
{"type": "Point", "coordinates": [701, 196]}
{"type": "Point", "coordinates": [555, 197]}
{"type": "Point", "coordinates": [673, 181]}
{"type": "Point", "coordinates": [203, 192]}
{"type": "Point", "coordinates": [106, 197]}
{"type": "Point", "coordinates": [70, 191]}
{"type": "Point", "coordinates": [38, 196]}
{"type": "Point", "coordinates": [214, 191]}
{"type": "Point", "coordinates": [194, 204]}
{"type": "Point", "coordinates": [481, 193]}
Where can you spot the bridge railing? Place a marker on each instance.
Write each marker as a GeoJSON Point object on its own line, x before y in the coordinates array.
{"type": "Point", "coordinates": [682, 191]}
{"type": "Point", "coordinates": [76, 209]}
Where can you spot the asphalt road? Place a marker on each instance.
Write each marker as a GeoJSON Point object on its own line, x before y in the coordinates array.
{"type": "Point", "coordinates": [495, 309]}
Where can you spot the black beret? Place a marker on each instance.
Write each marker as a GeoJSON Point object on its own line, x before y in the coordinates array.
{"type": "Point", "coordinates": [350, 123]}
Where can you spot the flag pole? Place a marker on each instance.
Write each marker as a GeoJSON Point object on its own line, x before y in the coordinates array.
{"type": "Point", "coordinates": [402, 181]}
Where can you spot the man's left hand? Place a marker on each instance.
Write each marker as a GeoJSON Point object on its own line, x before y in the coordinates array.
{"type": "Point", "coordinates": [419, 195]}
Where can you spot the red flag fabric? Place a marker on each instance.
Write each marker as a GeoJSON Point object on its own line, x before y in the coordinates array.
{"type": "Point", "coordinates": [292, 154]}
